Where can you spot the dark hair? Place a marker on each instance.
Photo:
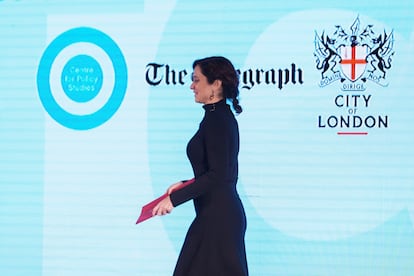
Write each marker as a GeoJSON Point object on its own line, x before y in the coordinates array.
{"type": "Point", "coordinates": [220, 68]}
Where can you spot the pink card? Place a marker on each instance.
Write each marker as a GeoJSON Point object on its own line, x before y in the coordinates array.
{"type": "Point", "coordinates": [146, 211]}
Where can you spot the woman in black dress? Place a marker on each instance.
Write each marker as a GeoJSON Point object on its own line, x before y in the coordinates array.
{"type": "Point", "coordinates": [214, 244]}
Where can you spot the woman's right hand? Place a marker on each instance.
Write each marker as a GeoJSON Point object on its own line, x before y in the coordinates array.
{"type": "Point", "coordinates": [173, 187]}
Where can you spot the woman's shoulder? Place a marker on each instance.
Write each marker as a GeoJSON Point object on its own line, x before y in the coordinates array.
{"type": "Point", "coordinates": [218, 120]}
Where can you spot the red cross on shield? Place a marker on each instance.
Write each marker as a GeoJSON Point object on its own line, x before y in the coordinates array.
{"type": "Point", "coordinates": [353, 61]}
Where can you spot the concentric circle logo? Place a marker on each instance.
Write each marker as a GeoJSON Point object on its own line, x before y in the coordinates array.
{"type": "Point", "coordinates": [82, 78]}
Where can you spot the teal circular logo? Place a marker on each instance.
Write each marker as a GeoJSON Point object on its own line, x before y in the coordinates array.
{"type": "Point", "coordinates": [82, 78]}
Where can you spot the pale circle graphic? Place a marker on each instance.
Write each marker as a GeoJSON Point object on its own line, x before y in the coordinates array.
{"type": "Point", "coordinates": [75, 107]}
{"type": "Point", "coordinates": [302, 178]}
{"type": "Point", "coordinates": [409, 102]}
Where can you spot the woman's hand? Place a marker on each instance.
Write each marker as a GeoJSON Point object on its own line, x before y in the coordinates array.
{"type": "Point", "coordinates": [173, 187]}
{"type": "Point", "coordinates": [163, 207]}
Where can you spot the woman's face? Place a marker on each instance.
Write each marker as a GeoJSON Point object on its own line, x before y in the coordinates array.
{"type": "Point", "coordinates": [202, 89]}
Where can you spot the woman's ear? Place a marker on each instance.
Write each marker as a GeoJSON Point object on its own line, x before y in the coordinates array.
{"type": "Point", "coordinates": [217, 84]}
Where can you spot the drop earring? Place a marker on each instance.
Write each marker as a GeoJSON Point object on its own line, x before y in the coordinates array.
{"type": "Point", "coordinates": [211, 96]}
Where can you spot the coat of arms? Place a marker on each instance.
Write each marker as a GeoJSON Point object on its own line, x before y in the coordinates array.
{"type": "Point", "coordinates": [355, 56]}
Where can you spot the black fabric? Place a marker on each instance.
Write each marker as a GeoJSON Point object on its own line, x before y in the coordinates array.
{"type": "Point", "coordinates": [214, 244]}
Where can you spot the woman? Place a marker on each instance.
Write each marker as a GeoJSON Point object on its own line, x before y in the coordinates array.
{"type": "Point", "coordinates": [214, 244]}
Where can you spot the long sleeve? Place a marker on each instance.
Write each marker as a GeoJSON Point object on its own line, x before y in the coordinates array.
{"type": "Point", "coordinates": [213, 155]}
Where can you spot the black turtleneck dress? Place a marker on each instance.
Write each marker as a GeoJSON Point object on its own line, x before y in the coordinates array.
{"type": "Point", "coordinates": [214, 244]}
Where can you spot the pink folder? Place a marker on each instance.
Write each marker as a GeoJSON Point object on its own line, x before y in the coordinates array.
{"type": "Point", "coordinates": [146, 211]}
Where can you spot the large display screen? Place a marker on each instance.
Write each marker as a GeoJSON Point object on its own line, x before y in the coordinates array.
{"type": "Point", "coordinates": [96, 112]}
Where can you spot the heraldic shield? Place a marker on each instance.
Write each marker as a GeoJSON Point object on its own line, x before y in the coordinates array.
{"type": "Point", "coordinates": [353, 61]}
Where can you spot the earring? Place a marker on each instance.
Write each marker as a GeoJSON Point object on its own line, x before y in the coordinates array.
{"type": "Point", "coordinates": [212, 95]}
